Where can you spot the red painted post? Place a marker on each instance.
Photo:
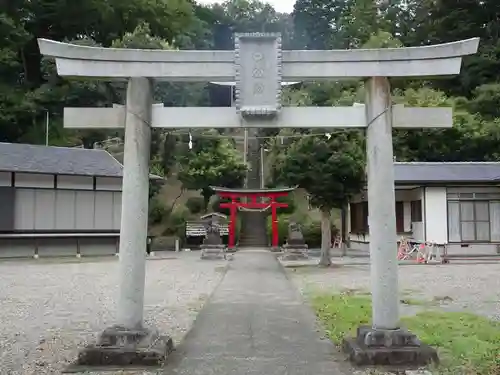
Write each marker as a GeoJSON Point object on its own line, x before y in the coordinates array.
{"type": "Point", "coordinates": [232, 224]}
{"type": "Point", "coordinates": [251, 203]}
{"type": "Point", "coordinates": [274, 224]}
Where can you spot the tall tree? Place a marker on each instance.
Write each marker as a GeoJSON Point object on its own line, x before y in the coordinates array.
{"type": "Point", "coordinates": [451, 20]}
{"type": "Point", "coordinates": [331, 169]}
{"type": "Point", "coordinates": [29, 87]}
{"type": "Point", "coordinates": [316, 21]}
{"type": "Point", "coordinates": [212, 163]}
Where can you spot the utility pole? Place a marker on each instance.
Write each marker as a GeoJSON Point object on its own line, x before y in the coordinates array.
{"type": "Point", "coordinates": [47, 120]}
{"type": "Point", "coordinates": [262, 167]}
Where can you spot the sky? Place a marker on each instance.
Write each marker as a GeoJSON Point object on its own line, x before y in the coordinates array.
{"type": "Point", "coordinates": [283, 6]}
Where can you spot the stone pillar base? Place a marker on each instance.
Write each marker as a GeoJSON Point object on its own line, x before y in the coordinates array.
{"type": "Point", "coordinates": [118, 347]}
{"type": "Point", "coordinates": [294, 253]}
{"type": "Point", "coordinates": [388, 348]}
{"type": "Point", "coordinates": [213, 251]}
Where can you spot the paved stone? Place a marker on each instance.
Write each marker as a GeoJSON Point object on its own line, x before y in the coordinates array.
{"type": "Point", "coordinates": [256, 323]}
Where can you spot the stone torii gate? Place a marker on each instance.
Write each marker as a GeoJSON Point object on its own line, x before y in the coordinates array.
{"type": "Point", "coordinates": [258, 65]}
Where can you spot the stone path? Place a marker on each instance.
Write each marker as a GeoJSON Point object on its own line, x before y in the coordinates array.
{"type": "Point", "coordinates": [256, 323]}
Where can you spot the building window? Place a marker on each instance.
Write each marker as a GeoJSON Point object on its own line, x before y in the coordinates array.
{"type": "Point", "coordinates": [416, 211]}
{"type": "Point", "coordinates": [400, 217]}
{"type": "Point", "coordinates": [359, 217]}
{"type": "Point", "coordinates": [473, 221]}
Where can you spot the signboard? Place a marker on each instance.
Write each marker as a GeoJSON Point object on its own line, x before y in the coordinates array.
{"type": "Point", "coordinates": [197, 229]}
{"type": "Point", "coordinates": [258, 74]}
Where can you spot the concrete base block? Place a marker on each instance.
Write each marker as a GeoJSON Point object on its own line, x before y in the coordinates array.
{"type": "Point", "coordinates": [213, 252]}
{"type": "Point", "coordinates": [295, 252]}
{"type": "Point", "coordinates": [388, 348]}
{"type": "Point", "coordinates": [121, 347]}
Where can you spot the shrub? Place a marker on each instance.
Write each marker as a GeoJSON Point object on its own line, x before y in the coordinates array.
{"type": "Point", "coordinates": [176, 224]}
{"type": "Point", "coordinates": [154, 188]}
{"type": "Point", "coordinates": [282, 228]}
{"type": "Point", "coordinates": [288, 199]}
{"type": "Point", "coordinates": [157, 212]}
{"type": "Point", "coordinates": [312, 234]}
{"type": "Point", "coordinates": [195, 205]}
{"type": "Point", "coordinates": [216, 206]}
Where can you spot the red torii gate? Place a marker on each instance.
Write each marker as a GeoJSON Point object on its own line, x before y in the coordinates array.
{"type": "Point", "coordinates": [252, 194]}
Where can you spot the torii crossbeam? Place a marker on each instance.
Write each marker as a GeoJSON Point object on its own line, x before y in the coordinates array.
{"type": "Point", "coordinates": [227, 117]}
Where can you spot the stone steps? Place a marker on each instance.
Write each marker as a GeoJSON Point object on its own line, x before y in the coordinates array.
{"type": "Point", "coordinates": [253, 229]}
{"type": "Point", "coordinates": [253, 223]}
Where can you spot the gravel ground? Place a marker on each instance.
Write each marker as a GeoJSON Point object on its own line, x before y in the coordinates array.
{"type": "Point", "coordinates": [473, 287]}
{"type": "Point", "coordinates": [50, 309]}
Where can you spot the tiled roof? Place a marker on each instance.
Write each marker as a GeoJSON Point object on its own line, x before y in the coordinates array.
{"type": "Point", "coordinates": [423, 172]}
{"type": "Point", "coordinates": [17, 157]}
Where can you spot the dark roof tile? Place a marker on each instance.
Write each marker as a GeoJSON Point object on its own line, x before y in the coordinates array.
{"type": "Point", "coordinates": [427, 172]}
{"type": "Point", "coordinates": [17, 157]}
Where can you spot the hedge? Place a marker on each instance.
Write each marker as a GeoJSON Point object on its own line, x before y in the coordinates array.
{"type": "Point", "coordinates": [311, 231]}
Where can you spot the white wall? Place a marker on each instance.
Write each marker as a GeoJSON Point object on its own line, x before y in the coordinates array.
{"type": "Point", "coordinates": [435, 215]}
{"type": "Point", "coordinates": [59, 209]}
{"type": "Point", "coordinates": [108, 183]}
{"type": "Point", "coordinates": [75, 182]}
{"type": "Point", "coordinates": [66, 203]}
{"type": "Point", "coordinates": [34, 180]}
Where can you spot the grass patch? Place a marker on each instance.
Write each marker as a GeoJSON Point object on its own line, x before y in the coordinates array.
{"type": "Point", "coordinates": [467, 344]}
{"type": "Point", "coordinates": [355, 291]}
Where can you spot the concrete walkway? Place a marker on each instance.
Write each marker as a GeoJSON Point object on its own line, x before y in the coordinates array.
{"type": "Point", "coordinates": [256, 323]}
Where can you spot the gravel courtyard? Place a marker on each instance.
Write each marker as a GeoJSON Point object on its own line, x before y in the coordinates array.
{"type": "Point", "coordinates": [50, 309]}
{"type": "Point", "coordinates": [471, 287]}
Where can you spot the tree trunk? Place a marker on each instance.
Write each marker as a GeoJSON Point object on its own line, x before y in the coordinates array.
{"type": "Point", "coordinates": [206, 194]}
{"type": "Point", "coordinates": [345, 232]}
{"type": "Point", "coordinates": [326, 238]}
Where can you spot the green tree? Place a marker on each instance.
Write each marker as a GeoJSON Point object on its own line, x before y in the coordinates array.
{"type": "Point", "coordinates": [219, 164]}
{"type": "Point", "coordinates": [331, 170]}
{"type": "Point", "coordinates": [486, 101]}
{"type": "Point", "coordinates": [29, 87]}
{"type": "Point", "coordinates": [316, 21]}
{"type": "Point", "coordinates": [452, 20]}
{"type": "Point", "coordinates": [472, 138]}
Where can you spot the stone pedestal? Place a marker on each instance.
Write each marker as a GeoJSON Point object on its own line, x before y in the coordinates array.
{"type": "Point", "coordinates": [295, 251]}
{"type": "Point", "coordinates": [212, 246]}
{"type": "Point", "coordinates": [213, 251]}
{"type": "Point", "coordinates": [397, 347]}
{"type": "Point", "coordinates": [120, 347]}
{"type": "Point", "coordinates": [295, 247]}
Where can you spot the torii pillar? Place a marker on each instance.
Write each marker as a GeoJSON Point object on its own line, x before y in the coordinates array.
{"type": "Point", "coordinates": [259, 66]}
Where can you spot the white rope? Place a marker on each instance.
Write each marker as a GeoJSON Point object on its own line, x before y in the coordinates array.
{"type": "Point", "coordinates": [254, 209]}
